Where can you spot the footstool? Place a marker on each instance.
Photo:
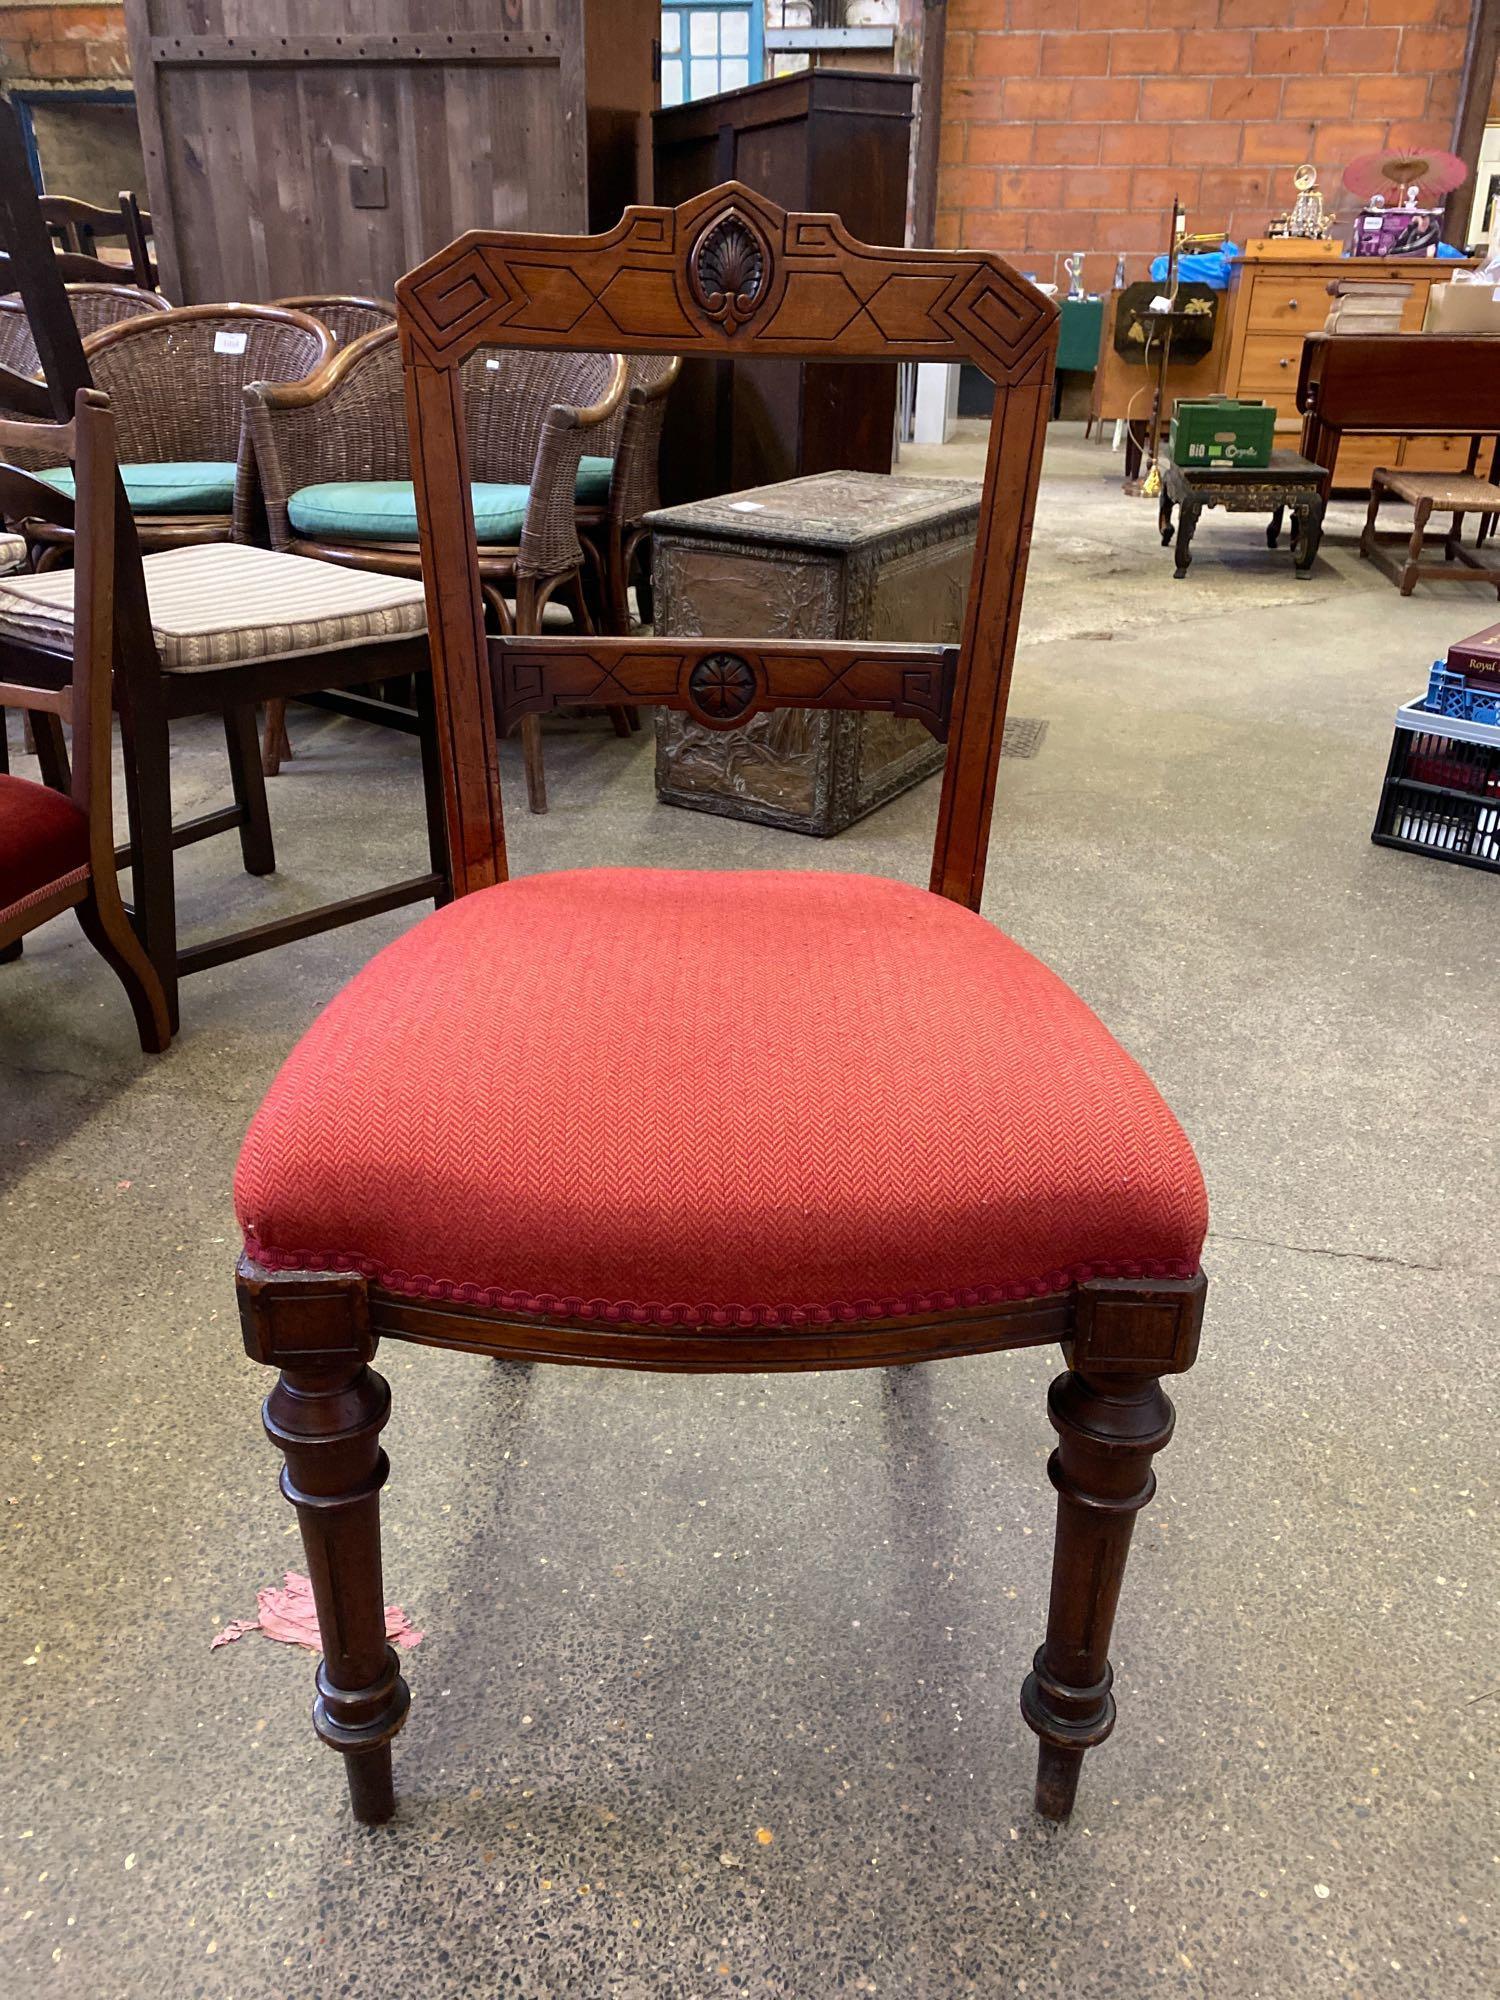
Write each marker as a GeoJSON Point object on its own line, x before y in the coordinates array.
{"type": "Point", "coordinates": [1288, 481]}
{"type": "Point", "coordinates": [1427, 493]}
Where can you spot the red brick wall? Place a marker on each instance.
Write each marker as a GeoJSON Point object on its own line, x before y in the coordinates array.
{"type": "Point", "coordinates": [1070, 124]}
{"type": "Point", "coordinates": [62, 44]}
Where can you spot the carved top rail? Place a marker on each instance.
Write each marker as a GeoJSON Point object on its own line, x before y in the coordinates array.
{"type": "Point", "coordinates": [726, 274]}
{"type": "Point", "coordinates": [728, 271]}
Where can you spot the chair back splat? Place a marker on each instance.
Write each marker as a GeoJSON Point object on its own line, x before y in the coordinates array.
{"type": "Point", "coordinates": [727, 274]}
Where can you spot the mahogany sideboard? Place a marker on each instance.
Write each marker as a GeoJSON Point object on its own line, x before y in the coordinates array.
{"type": "Point", "coordinates": [1276, 299]}
{"type": "Point", "coordinates": [1370, 398]}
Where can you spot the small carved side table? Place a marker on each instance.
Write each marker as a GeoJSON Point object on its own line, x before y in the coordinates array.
{"type": "Point", "coordinates": [1288, 481]}
{"type": "Point", "coordinates": [836, 555]}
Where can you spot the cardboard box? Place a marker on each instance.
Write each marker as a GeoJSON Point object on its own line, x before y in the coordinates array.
{"type": "Point", "coordinates": [1221, 431]}
{"type": "Point", "coordinates": [1455, 308]}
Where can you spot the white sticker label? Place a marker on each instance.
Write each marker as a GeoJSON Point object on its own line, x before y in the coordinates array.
{"type": "Point", "coordinates": [492, 362]}
{"type": "Point", "coordinates": [227, 341]}
{"type": "Point", "coordinates": [747, 506]}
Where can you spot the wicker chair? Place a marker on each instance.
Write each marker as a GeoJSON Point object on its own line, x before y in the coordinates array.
{"type": "Point", "coordinates": [335, 469]}
{"type": "Point", "coordinates": [175, 381]}
{"type": "Point", "coordinates": [94, 308]}
{"type": "Point", "coordinates": [615, 535]}
{"type": "Point", "coordinates": [346, 318]}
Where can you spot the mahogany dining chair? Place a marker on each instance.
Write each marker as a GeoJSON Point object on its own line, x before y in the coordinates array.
{"type": "Point", "coordinates": [712, 1121]}
{"type": "Point", "coordinates": [57, 849]}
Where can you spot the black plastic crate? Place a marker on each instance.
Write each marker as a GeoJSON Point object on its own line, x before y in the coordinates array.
{"type": "Point", "coordinates": [1442, 790]}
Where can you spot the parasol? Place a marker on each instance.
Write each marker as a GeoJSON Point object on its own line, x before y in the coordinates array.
{"type": "Point", "coordinates": [1434, 174]}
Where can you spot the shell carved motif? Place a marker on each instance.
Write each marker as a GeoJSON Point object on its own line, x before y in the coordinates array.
{"type": "Point", "coordinates": [728, 268]}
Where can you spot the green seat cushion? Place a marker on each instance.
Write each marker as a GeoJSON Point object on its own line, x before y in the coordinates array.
{"type": "Point", "coordinates": [385, 510]}
{"type": "Point", "coordinates": [190, 487]}
{"type": "Point", "coordinates": [594, 475]}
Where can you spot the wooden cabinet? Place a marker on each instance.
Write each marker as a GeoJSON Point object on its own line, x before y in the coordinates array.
{"type": "Point", "coordinates": [831, 140]}
{"type": "Point", "coordinates": [1275, 301]}
{"type": "Point", "coordinates": [284, 158]}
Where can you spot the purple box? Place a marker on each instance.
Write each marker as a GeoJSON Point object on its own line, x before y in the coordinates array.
{"type": "Point", "coordinates": [1395, 232]}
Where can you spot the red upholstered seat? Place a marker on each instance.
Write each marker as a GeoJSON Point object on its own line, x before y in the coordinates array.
{"type": "Point", "coordinates": [43, 837]}
{"type": "Point", "coordinates": [726, 1099]}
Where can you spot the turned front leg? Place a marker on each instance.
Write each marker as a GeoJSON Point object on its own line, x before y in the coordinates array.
{"type": "Point", "coordinates": [1108, 1430]}
{"type": "Point", "coordinates": [1111, 1416]}
{"type": "Point", "coordinates": [325, 1415]}
{"type": "Point", "coordinates": [328, 1427]}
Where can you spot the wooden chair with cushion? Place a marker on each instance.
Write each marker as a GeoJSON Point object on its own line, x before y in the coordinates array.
{"type": "Point", "coordinates": [614, 532]}
{"type": "Point", "coordinates": [335, 469]}
{"type": "Point", "coordinates": [714, 1121]}
{"type": "Point", "coordinates": [345, 317]}
{"type": "Point", "coordinates": [211, 630]}
{"type": "Point", "coordinates": [57, 849]}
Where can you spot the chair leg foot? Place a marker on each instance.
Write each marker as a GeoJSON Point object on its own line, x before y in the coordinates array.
{"type": "Point", "coordinates": [1057, 1774]}
{"type": "Point", "coordinates": [275, 743]}
{"type": "Point", "coordinates": [107, 928]}
{"type": "Point", "coordinates": [536, 769]}
{"type": "Point", "coordinates": [1108, 1427]}
{"type": "Point", "coordinates": [248, 777]}
{"type": "Point", "coordinates": [326, 1414]}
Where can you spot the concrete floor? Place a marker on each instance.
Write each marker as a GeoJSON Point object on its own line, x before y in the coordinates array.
{"type": "Point", "coordinates": [719, 1688]}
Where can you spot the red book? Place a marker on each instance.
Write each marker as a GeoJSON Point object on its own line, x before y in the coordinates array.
{"type": "Point", "coordinates": [1478, 659]}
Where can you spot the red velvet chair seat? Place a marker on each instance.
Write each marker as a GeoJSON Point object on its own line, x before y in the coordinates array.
{"type": "Point", "coordinates": [724, 1099]}
{"type": "Point", "coordinates": [43, 837]}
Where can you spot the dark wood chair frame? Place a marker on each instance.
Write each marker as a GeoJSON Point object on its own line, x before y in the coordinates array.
{"type": "Point", "coordinates": [84, 702]}
{"type": "Point", "coordinates": [149, 699]}
{"type": "Point", "coordinates": [726, 274]}
{"type": "Point", "coordinates": [74, 227]}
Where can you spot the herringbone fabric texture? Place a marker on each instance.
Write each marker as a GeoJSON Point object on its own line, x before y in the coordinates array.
{"type": "Point", "coordinates": [720, 1099]}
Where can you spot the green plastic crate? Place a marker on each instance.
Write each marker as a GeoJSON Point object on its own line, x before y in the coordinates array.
{"type": "Point", "coordinates": [1222, 430]}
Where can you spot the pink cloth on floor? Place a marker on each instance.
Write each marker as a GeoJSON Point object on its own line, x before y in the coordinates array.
{"type": "Point", "coordinates": [291, 1617]}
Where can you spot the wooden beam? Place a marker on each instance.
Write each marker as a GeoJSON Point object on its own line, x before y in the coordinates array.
{"type": "Point", "coordinates": [294, 51]}
{"type": "Point", "coordinates": [1478, 81]}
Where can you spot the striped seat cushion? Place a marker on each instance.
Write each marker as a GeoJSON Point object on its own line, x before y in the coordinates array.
{"type": "Point", "coordinates": [225, 603]}
{"type": "Point", "coordinates": [12, 552]}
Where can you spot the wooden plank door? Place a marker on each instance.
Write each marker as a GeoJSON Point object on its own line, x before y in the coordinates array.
{"type": "Point", "coordinates": [298, 146]}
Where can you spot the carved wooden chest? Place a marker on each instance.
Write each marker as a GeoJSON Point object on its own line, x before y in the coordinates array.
{"type": "Point", "coordinates": [839, 555]}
